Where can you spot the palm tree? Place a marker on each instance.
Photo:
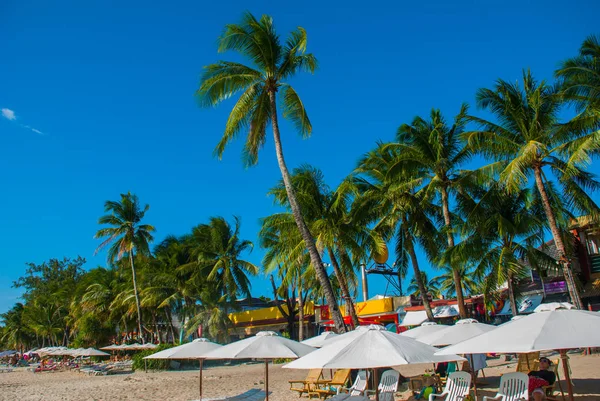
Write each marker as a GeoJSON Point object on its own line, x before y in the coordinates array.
{"type": "Point", "coordinates": [389, 197]}
{"type": "Point", "coordinates": [580, 77]}
{"type": "Point", "coordinates": [434, 152]}
{"type": "Point", "coordinates": [273, 64]}
{"type": "Point", "coordinates": [127, 235]}
{"type": "Point", "coordinates": [445, 282]}
{"type": "Point", "coordinates": [528, 139]}
{"type": "Point", "coordinates": [17, 334]}
{"type": "Point", "coordinates": [217, 250]}
{"type": "Point", "coordinates": [430, 287]}
{"type": "Point", "coordinates": [341, 234]}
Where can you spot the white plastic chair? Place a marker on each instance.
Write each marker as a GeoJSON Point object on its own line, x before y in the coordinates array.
{"type": "Point", "coordinates": [457, 387]}
{"type": "Point", "coordinates": [359, 386]}
{"type": "Point", "coordinates": [388, 385]}
{"type": "Point", "coordinates": [513, 387]}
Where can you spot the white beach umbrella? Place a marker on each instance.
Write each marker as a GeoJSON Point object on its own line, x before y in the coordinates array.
{"type": "Point", "coordinates": [111, 347]}
{"type": "Point", "coordinates": [424, 330]}
{"type": "Point", "coordinates": [197, 349]}
{"type": "Point", "coordinates": [461, 331]}
{"type": "Point", "coordinates": [542, 331]}
{"type": "Point", "coordinates": [92, 352]}
{"type": "Point", "coordinates": [370, 348]}
{"type": "Point", "coordinates": [320, 340]}
{"type": "Point", "coordinates": [266, 345]}
{"type": "Point", "coordinates": [550, 306]}
{"type": "Point", "coordinates": [75, 352]}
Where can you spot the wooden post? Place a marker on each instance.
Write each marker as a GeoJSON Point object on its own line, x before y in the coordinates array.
{"type": "Point", "coordinates": [266, 380]}
{"type": "Point", "coordinates": [201, 363]}
{"type": "Point", "coordinates": [473, 376]}
{"type": "Point", "coordinates": [145, 366]}
{"type": "Point", "coordinates": [565, 361]}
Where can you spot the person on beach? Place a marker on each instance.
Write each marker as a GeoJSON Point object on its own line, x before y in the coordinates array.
{"type": "Point", "coordinates": [540, 378]}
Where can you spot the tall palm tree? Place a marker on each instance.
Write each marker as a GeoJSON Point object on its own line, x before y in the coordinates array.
{"type": "Point", "coordinates": [435, 153]}
{"type": "Point", "coordinates": [528, 139]}
{"type": "Point", "coordinates": [389, 199]}
{"type": "Point", "coordinates": [580, 77]}
{"type": "Point", "coordinates": [445, 284]}
{"type": "Point", "coordinates": [338, 232]}
{"type": "Point", "coordinates": [430, 287]}
{"type": "Point", "coordinates": [127, 235]}
{"type": "Point", "coordinates": [273, 63]}
{"type": "Point", "coordinates": [218, 249]}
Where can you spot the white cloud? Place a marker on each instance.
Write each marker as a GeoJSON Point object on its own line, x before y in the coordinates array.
{"type": "Point", "coordinates": [9, 114]}
{"type": "Point", "coordinates": [37, 131]}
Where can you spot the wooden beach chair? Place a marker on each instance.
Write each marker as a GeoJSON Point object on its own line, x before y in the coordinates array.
{"type": "Point", "coordinates": [456, 389]}
{"type": "Point", "coordinates": [308, 384]}
{"type": "Point", "coordinates": [528, 362]}
{"type": "Point", "coordinates": [388, 385]}
{"type": "Point", "coordinates": [513, 387]}
{"type": "Point", "coordinates": [326, 388]}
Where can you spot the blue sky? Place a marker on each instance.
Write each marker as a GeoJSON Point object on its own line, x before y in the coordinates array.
{"type": "Point", "coordinates": [103, 103]}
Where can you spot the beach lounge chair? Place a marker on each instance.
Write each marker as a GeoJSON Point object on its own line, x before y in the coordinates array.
{"type": "Point", "coordinates": [359, 386]}
{"type": "Point", "coordinates": [456, 389]}
{"type": "Point", "coordinates": [326, 388]}
{"type": "Point", "coordinates": [308, 384]}
{"type": "Point", "coordinates": [528, 362]}
{"type": "Point", "coordinates": [513, 387]}
{"type": "Point", "coordinates": [388, 385]}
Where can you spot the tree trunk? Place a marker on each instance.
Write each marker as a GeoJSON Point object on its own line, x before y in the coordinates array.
{"type": "Point", "coordinates": [560, 246]}
{"type": "Point", "coordinates": [137, 298]}
{"type": "Point", "coordinates": [350, 309]}
{"type": "Point", "coordinates": [309, 241]}
{"type": "Point", "coordinates": [417, 272]}
{"type": "Point", "coordinates": [511, 296]}
{"type": "Point", "coordinates": [171, 328]}
{"type": "Point", "coordinates": [455, 273]}
{"type": "Point", "coordinates": [300, 309]}
{"type": "Point", "coordinates": [289, 315]}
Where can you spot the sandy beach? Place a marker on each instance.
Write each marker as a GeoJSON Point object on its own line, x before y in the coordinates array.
{"type": "Point", "coordinates": [22, 385]}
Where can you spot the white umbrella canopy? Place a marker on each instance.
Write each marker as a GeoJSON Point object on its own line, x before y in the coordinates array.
{"type": "Point", "coordinates": [197, 349]}
{"type": "Point", "coordinates": [91, 352]}
{"type": "Point", "coordinates": [424, 330]}
{"type": "Point", "coordinates": [543, 331]}
{"type": "Point", "coordinates": [368, 348]}
{"type": "Point", "coordinates": [320, 340]}
{"type": "Point", "coordinates": [461, 331]}
{"type": "Point", "coordinates": [558, 329]}
{"type": "Point", "coordinates": [371, 347]}
{"type": "Point", "coordinates": [111, 347]}
{"type": "Point", "coordinates": [553, 306]}
{"type": "Point", "coordinates": [265, 345]}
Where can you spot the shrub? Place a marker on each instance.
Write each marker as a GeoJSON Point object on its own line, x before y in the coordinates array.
{"type": "Point", "coordinates": [153, 364]}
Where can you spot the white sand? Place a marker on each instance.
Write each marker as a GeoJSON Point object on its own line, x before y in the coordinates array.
{"type": "Point", "coordinates": [183, 386]}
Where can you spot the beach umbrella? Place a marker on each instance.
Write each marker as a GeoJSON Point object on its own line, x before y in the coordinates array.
{"type": "Point", "coordinates": [197, 349]}
{"type": "Point", "coordinates": [558, 329]}
{"type": "Point", "coordinates": [320, 340]}
{"type": "Point", "coordinates": [370, 347]}
{"type": "Point", "coordinates": [265, 345]}
{"type": "Point", "coordinates": [424, 330]}
{"type": "Point", "coordinates": [111, 347]}
{"type": "Point", "coordinates": [461, 331]}
{"type": "Point", "coordinates": [550, 306]}
{"type": "Point", "coordinates": [91, 352]}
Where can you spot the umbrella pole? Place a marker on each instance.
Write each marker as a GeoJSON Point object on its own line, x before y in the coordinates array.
{"type": "Point", "coordinates": [201, 363]}
{"type": "Point", "coordinates": [376, 385]}
{"type": "Point", "coordinates": [266, 380]}
{"type": "Point", "coordinates": [565, 361]}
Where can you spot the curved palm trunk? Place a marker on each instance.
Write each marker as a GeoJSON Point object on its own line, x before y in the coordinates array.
{"type": "Point", "coordinates": [560, 246]}
{"type": "Point", "coordinates": [300, 310]}
{"type": "Point", "coordinates": [417, 272]}
{"type": "Point", "coordinates": [350, 309]}
{"type": "Point", "coordinates": [137, 298]}
{"type": "Point", "coordinates": [511, 296]}
{"type": "Point", "coordinates": [455, 273]}
{"type": "Point", "coordinates": [315, 258]}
